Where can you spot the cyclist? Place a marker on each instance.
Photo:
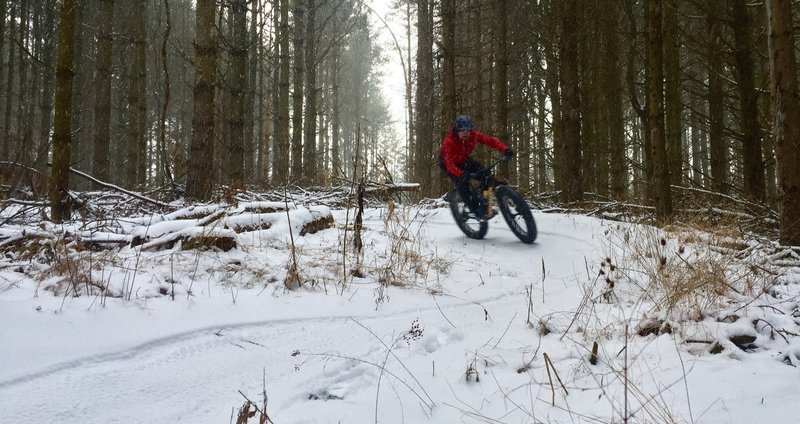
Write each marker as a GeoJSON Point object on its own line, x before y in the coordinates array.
{"type": "Point", "coordinates": [455, 160]}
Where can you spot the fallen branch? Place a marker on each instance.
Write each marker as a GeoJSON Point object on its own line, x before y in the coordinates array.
{"type": "Point", "coordinates": [118, 188]}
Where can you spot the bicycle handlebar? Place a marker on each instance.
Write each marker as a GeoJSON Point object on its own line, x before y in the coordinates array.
{"type": "Point", "coordinates": [495, 163]}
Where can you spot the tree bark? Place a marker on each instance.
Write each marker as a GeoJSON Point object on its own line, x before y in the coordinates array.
{"type": "Point", "coordinates": [673, 103]}
{"type": "Point", "coordinates": [280, 168]}
{"type": "Point", "coordinates": [752, 160]}
{"type": "Point", "coordinates": [336, 154]}
{"type": "Point", "coordinates": [716, 107]}
{"type": "Point", "coordinates": [102, 111]}
{"type": "Point", "coordinates": [254, 109]}
{"type": "Point", "coordinates": [238, 91]}
{"type": "Point", "coordinates": [162, 161]}
{"type": "Point", "coordinates": [298, 71]}
{"type": "Point", "coordinates": [448, 111]}
{"type": "Point", "coordinates": [135, 165]}
{"type": "Point", "coordinates": [569, 82]}
{"type": "Point", "coordinates": [786, 107]}
{"type": "Point", "coordinates": [645, 171]}
{"type": "Point", "coordinates": [200, 177]}
{"type": "Point", "coordinates": [616, 124]}
{"type": "Point", "coordinates": [655, 100]}
{"type": "Point", "coordinates": [310, 139]}
{"type": "Point", "coordinates": [501, 78]}
{"type": "Point", "coordinates": [3, 11]}
{"type": "Point", "coordinates": [5, 144]}
{"type": "Point", "coordinates": [425, 84]}
{"type": "Point", "coordinates": [62, 126]}
{"type": "Point", "coordinates": [47, 93]}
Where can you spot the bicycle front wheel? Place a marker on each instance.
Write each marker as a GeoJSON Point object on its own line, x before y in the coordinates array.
{"type": "Point", "coordinates": [470, 226]}
{"type": "Point", "coordinates": [517, 214]}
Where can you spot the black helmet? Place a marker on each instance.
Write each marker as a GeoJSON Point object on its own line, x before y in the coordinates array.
{"type": "Point", "coordinates": [463, 123]}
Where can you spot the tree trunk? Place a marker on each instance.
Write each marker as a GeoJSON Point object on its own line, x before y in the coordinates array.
{"type": "Point", "coordinates": [697, 150]}
{"type": "Point", "coordinates": [102, 111]}
{"type": "Point", "coordinates": [613, 89]}
{"type": "Point", "coordinates": [62, 128]}
{"type": "Point", "coordinates": [640, 110]}
{"type": "Point", "coordinates": [752, 161]}
{"type": "Point", "coordinates": [200, 177]}
{"type": "Point", "coordinates": [786, 107]}
{"type": "Point", "coordinates": [336, 154]}
{"type": "Point", "coordinates": [47, 92]}
{"type": "Point", "coordinates": [425, 84]}
{"type": "Point", "coordinates": [22, 72]}
{"type": "Point", "coordinates": [3, 11]}
{"type": "Point", "coordinates": [137, 100]}
{"type": "Point", "coordinates": [238, 91]}
{"type": "Point", "coordinates": [254, 110]}
{"type": "Point", "coordinates": [655, 100]}
{"type": "Point", "coordinates": [5, 144]}
{"type": "Point", "coordinates": [448, 111]}
{"type": "Point", "coordinates": [280, 168]}
{"type": "Point", "coordinates": [264, 110]}
{"type": "Point", "coordinates": [542, 183]}
{"type": "Point", "coordinates": [410, 143]}
{"type": "Point", "coordinates": [298, 71]}
{"type": "Point", "coordinates": [716, 107]}
{"type": "Point", "coordinates": [310, 144]}
{"type": "Point", "coordinates": [551, 89]}
{"type": "Point", "coordinates": [672, 100]}
{"type": "Point", "coordinates": [501, 77]}
{"type": "Point", "coordinates": [569, 82]}
{"type": "Point", "coordinates": [162, 162]}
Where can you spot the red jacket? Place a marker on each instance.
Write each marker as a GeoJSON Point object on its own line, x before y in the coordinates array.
{"type": "Point", "coordinates": [455, 153]}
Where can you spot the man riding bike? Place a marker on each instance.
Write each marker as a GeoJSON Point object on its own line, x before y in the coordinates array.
{"type": "Point", "coordinates": [455, 160]}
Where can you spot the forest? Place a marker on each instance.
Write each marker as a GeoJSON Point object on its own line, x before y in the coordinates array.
{"type": "Point", "coordinates": [637, 101]}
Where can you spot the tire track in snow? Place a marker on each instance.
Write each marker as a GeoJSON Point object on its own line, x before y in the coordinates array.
{"type": "Point", "coordinates": [181, 339]}
{"type": "Point", "coordinates": [139, 384]}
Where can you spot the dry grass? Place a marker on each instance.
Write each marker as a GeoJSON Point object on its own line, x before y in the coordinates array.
{"type": "Point", "coordinates": [405, 261]}
{"type": "Point", "coordinates": [687, 270]}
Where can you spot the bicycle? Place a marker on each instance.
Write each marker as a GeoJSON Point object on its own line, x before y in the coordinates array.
{"type": "Point", "coordinates": [512, 206]}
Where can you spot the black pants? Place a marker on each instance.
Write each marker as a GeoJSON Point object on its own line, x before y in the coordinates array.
{"type": "Point", "coordinates": [474, 201]}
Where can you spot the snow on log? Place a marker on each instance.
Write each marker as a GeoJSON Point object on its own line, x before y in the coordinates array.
{"type": "Point", "coordinates": [194, 238]}
{"type": "Point", "coordinates": [194, 227]}
{"type": "Point", "coordinates": [321, 219]}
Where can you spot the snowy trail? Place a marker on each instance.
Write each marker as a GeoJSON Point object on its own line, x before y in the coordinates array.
{"type": "Point", "coordinates": [194, 375]}
{"type": "Point", "coordinates": [187, 375]}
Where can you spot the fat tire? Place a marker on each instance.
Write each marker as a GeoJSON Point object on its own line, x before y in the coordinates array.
{"type": "Point", "coordinates": [508, 198]}
{"type": "Point", "coordinates": [471, 227]}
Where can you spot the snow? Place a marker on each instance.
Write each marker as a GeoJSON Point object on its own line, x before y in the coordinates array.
{"type": "Point", "coordinates": [454, 334]}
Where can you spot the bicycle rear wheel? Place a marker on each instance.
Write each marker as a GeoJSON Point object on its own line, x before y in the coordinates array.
{"type": "Point", "coordinates": [517, 214]}
{"type": "Point", "coordinates": [469, 225]}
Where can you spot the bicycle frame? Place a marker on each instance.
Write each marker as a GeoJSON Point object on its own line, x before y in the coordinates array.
{"type": "Point", "coordinates": [488, 170]}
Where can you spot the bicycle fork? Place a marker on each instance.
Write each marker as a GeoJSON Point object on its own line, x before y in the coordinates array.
{"type": "Point", "coordinates": [488, 194]}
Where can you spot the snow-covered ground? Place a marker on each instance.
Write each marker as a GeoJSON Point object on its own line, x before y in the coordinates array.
{"type": "Point", "coordinates": [424, 326]}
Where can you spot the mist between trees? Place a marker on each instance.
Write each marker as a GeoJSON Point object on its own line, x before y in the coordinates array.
{"type": "Point", "coordinates": [619, 99]}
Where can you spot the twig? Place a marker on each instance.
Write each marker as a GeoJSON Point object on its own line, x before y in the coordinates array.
{"type": "Point", "coordinates": [625, 370]}
{"type": "Point", "coordinates": [506, 331]}
{"type": "Point", "coordinates": [549, 364]}
{"type": "Point", "coordinates": [685, 383]}
{"type": "Point", "coordinates": [442, 312]}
